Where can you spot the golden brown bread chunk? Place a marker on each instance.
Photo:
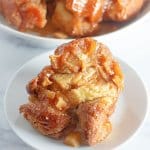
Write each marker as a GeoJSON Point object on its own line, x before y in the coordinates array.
{"type": "Point", "coordinates": [77, 18]}
{"type": "Point", "coordinates": [77, 92]}
{"type": "Point", "coordinates": [24, 14]}
{"type": "Point", "coordinates": [73, 139]}
{"type": "Point", "coordinates": [121, 10]}
{"type": "Point", "coordinates": [81, 18]}
{"type": "Point", "coordinates": [44, 118]}
{"type": "Point", "coordinates": [94, 121]}
{"type": "Point", "coordinates": [63, 18]}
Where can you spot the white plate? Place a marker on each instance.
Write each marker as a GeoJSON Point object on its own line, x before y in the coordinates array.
{"type": "Point", "coordinates": [130, 113]}
{"type": "Point", "coordinates": [50, 42]}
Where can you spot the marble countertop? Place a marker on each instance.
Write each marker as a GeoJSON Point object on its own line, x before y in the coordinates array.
{"type": "Point", "coordinates": [133, 46]}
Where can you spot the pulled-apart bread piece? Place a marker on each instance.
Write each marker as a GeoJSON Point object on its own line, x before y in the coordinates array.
{"type": "Point", "coordinates": [77, 18]}
{"type": "Point", "coordinates": [76, 94]}
{"type": "Point", "coordinates": [44, 118]}
{"type": "Point", "coordinates": [64, 18]}
{"type": "Point", "coordinates": [81, 18]}
{"type": "Point", "coordinates": [24, 14]}
{"type": "Point", "coordinates": [93, 119]}
{"type": "Point", "coordinates": [122, 10]}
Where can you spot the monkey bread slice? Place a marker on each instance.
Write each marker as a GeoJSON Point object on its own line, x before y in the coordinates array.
{"type": "Point", "coordinates": [76, 94]}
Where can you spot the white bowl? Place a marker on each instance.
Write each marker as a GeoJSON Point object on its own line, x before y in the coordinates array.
{"type": "Point", "coordinates": [130, 114]}
{"type": "Point", "coordinates": [50, 42]}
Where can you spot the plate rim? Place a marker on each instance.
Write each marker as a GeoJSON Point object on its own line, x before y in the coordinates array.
{"type": "Point", "coordinates": [26, 35]}
{"type": "Point", "coordinates": [128, 140]}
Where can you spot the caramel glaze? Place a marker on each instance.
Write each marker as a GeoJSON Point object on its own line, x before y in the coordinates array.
{"type": "Point", "coordinates": [104, 27]}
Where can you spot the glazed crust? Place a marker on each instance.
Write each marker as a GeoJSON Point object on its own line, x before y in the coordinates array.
{"type": "Point", "coordinates": [120, 10]}
{"type": "Point", "coordinates": [77, 92]}
{"type": "Point", "coordinates": [24, 14]}
{"type": "Point", "coordinates": [94, 119]}
{"type": "Point", "coordinates": [68, 17]}
{"type": "Point", "coordinates": [44, 118]}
